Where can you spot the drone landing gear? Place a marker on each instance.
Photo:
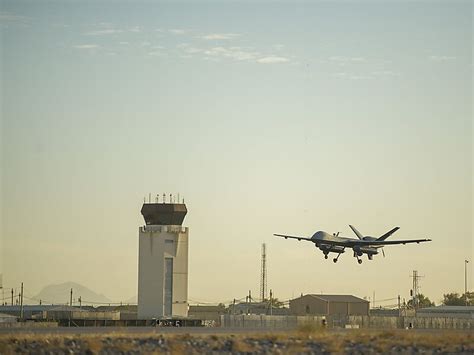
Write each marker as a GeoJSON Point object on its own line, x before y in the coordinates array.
{"type": "Point", "coordinates": [335, 259]}
{"type": "Point", "coordinates": [325, 255]}
{"type": "Point", "coordinates": [356, 255]}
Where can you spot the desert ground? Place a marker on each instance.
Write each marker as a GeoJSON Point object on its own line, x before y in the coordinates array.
{"type": "Point", "coordinates": [189, 341]}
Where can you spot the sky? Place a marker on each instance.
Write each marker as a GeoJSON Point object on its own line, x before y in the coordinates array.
{"type": "Point", "coordinates": [267, 117]}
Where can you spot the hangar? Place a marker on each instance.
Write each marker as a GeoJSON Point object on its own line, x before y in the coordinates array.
{"type": "Point", "coordinates": [329, 305]}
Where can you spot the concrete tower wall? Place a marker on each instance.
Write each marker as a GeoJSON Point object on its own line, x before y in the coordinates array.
{"type": "Point", "coordinates": [163, 267]}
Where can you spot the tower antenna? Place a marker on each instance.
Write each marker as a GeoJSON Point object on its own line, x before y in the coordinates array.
{"type": "Point", "coordinates": [415, 291]}
{"type": "Point", "coordinates": [263, 274]}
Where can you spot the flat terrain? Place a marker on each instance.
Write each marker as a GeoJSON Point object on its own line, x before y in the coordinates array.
{"type": "Point", "coordinates": [228, 341]}
{"type": "Point", "coordinates": [137, 330]}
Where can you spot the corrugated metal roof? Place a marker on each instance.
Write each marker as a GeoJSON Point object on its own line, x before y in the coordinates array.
{"type": "Point", "coordinates": [206, 308]}
{"type": "Point", "coordinates": [339, 298]}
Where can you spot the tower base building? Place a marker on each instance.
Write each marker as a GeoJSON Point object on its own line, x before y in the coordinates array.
{"type": "Point", "coordinates": [163, 262]}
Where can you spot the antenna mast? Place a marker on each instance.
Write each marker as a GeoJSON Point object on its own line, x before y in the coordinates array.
{"type": "Point", "coordinates": [263, 274]}
{"type": "Point", "coordinates": [416, 289]}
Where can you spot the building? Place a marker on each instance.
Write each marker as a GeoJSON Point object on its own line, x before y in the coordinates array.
{"type": "Point", "coordinates": [211, 313]}
{"type": "Point", "coordinates": [7, 318]}
{"type": "Point", "coordinates": [163, 262]}
{"type": "Point", "coordinates": [262, 308]}
{"type": "Point", "coordinates": [32, 311]}
{"type": "Point", "coordinates": [36, 311]}
{"type": "Point", "coordinates": [447, 311]}
{"type": "Point", "coordinates": [385, 312]}
{"type": "Point", "coordinates": [57, 312]}
{"type": "Point", "coordinates": [329, 305]}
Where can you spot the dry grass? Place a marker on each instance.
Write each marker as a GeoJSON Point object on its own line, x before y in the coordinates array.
{"type": "Point", "coordinates": [241, 346]}
{"type": "Point", "coordinates": [309, 328]}
{"type": "Point", "coordinates": [382, 340]}
{"type": "Point", "coordinates": [94, 343]}
{"type": "Point", "coordinates": [292, 342]}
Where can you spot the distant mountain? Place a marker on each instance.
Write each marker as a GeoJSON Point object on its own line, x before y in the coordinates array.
{"type": "Point", "coordinates": [60, 294]}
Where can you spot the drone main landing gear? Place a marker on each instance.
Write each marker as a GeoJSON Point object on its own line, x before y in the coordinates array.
{"type": "Point", "coordinates": [335, 259]}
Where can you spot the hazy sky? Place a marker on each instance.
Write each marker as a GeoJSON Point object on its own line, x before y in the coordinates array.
{"type": "Point", "coordinates": [267, 117]}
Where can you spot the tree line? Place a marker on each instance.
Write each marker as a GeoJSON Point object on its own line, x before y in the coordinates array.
{"type": "Point", "coordinates": [449, 299]}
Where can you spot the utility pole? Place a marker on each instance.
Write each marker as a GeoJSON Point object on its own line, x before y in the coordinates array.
{"type": "Point", "coordinates": [399, 305]}
{"type": "Point", "coordinates": [233, 308]}
{"type": "Point", "coordinates": [1, 287]}
{"type": "Point", "coordinates": [271, 301]}
{"type": "Point", "coordinates": [249, 297]}
{"type": "Point", "coordinates": [12, 296]}
{"type": "Point", "coordinates": [70, 299]}
{"type": "Point", "coordinates": [80, 302]}
{"type": "Point", "coordinates": [21, 302]}
{"type": "Point", "coordinates": [465, 280]}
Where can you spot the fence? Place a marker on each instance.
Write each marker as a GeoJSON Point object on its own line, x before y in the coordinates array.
{"type": "Point", "coordinates": [335, 321]}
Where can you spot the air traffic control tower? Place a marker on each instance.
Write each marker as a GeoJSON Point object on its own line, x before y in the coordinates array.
{"type": "Point", "coordinates": [163, 262]}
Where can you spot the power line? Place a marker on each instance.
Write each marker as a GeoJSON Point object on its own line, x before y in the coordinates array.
{"type": "Point", "coordinates": [388, 299]}
{"type": "Point", "coordinates": [102, 303]}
